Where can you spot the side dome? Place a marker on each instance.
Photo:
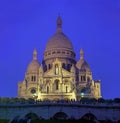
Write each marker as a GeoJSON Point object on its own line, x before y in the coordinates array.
{"type": "Point", "coordinates": [82, 65]}
{"type": "Point", "coordinates": [85, 67]}
{"type": "Point", "coordinates": [59, 40]}
{"type": "Point", "coordinates": [34, 65]}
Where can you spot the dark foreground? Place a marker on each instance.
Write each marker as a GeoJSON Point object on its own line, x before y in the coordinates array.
{"type": "Point", "coordinates": [57, 121]}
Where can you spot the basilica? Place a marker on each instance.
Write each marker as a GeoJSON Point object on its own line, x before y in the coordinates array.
{"type": "Point", "coordinates": [59, 76]}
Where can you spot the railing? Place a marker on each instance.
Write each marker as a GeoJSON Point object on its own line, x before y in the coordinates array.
{"type": "Point", "coordinates": [60, 102]}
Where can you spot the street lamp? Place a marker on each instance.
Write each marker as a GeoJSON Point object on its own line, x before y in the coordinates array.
{"type": "Point", "coordinates": [34, 96]}
{"type": "Point", "coordinates": [82, 94]}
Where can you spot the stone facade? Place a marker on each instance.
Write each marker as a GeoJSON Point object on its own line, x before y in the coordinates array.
{"type": "Point", "coordinates": [59, 76]}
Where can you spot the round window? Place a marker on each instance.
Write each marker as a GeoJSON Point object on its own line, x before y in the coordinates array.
{"type": "Point", "coordinates": [33, 91]}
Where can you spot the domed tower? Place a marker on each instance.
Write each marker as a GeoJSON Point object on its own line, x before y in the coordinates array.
{"type": "Point", "coordinates": [82, 65]}
{"type": "Point", "coordinates": [28, 88]}
{"type": "Point", "coordinates": [33, 68]}
{"type": "Point", "coordinates": [86, 86]}
{"type": "Point", "coordinates": [59, 46]}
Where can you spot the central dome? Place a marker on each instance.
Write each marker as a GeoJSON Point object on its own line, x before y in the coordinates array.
{"type": "Point", "coordinates": [59, 40]}
{"type": "Point", "coordinates": [59, 46]}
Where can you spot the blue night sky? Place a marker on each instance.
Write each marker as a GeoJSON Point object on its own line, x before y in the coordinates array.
{"type": "Point", "coordinates": [93, 25]}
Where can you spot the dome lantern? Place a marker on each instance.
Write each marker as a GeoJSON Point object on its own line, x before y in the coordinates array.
{"type": "Point", "coordinates": [35, 54]}
{"type": "Point", "coordinates": [59, 24]}
{"type": "Point", "coordinates": [81, 54]}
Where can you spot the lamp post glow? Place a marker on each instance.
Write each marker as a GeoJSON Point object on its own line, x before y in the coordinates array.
{"type": "Point", "coordinates": [34, 96]}
{"type": "Point", "coordinates": [82, 94]}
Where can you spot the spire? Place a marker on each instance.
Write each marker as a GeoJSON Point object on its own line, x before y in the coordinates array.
{"type": "Point", "coordinates": [81, 54]}
{"type": "Point", "coordinates": [59, 24]}
{"type": "Point", "coordinates": [35, 54]}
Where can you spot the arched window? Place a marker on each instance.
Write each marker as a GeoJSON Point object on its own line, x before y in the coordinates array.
{"type": "Point", "coordinates": [83, 78]}
{"type": "Point", "coordinates": [66, 89]}
{"type": "Point", "coordinates": [45, 67]}
{"type": "Point", "coordinates": [34, 78]}
{"type": "Point", "coordinates": [56, 69]}
{"type": "Point", "coordinates": [57, 84]}
{"type": "Point", "coordinates": [47, 89]}
{"type": "Point", "coordinates": [63, 65]}
{"type": "Point", "coordinates": [88, 79]}
{"type": "Point", "coordinates": [49, 66]}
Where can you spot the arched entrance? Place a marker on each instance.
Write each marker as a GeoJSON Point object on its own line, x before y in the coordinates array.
{"type": "Point", "coordinates": [89, 117]}
{"type": "Point", "coordinates": [60, 116]}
